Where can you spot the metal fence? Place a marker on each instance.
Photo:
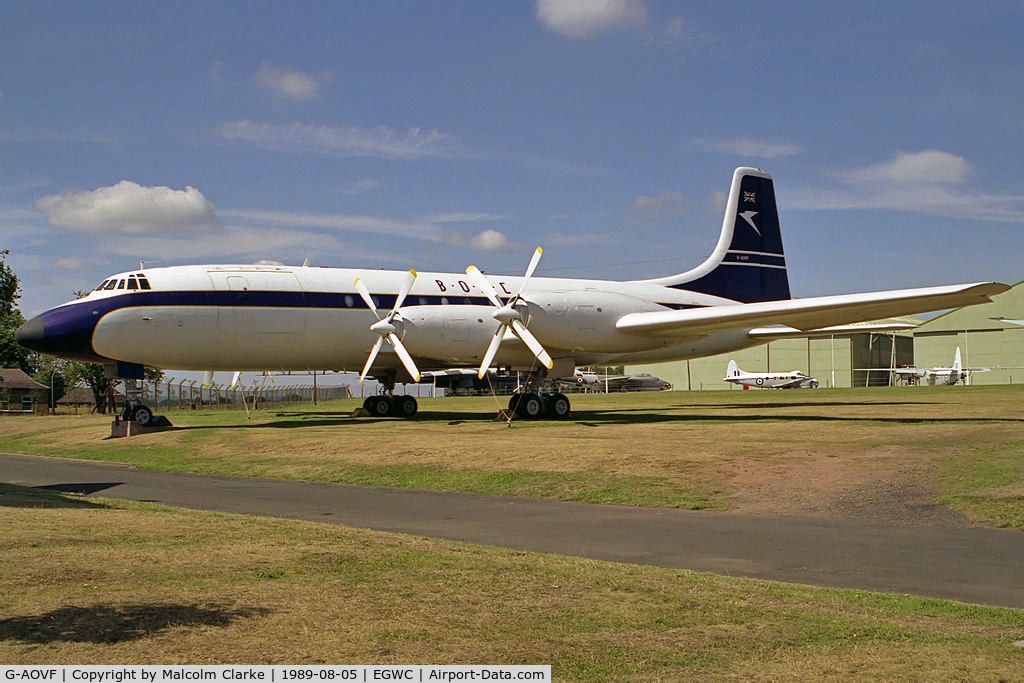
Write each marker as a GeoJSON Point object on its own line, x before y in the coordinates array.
{"type": "Point", "coordinates": [189, 394]}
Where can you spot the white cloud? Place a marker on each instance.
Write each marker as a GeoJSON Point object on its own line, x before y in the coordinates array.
{"type": "Point", "coordinates": [70, 263]}
{"type": "Point", "coordinates": [929, 182]}
{"type": "Point", "coordinates": [585, 18]}
{"type": "Point", "coordinates": [345, 141]}
{"type": "Point", "coordinates": [465, 217]}
{"type": "Point", "coordinates": [360, 186]}
{"type": "Point", "coordinates": [914, 168]}
{"type": "Point", "coordinates": [371, 224]}
{"type": "Point", "coordinates": [669, 200]}
{"type": "Point", "coordinates": [231, 241]}
{"type": "Point", "coordinates": [285, 83]}
{"type": "Point", "coordinates": [128, 208]}
{"type": "Point", "coordinates": [745, 147]}
{"type": "Point", "coordinates": [491, 240]}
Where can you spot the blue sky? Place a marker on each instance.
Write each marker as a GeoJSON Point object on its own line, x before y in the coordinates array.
{"type": "Point", "coordinates": [435, 135]}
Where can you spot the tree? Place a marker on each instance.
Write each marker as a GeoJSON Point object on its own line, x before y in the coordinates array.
{"type": "Point", "coordinates": [12, 354]}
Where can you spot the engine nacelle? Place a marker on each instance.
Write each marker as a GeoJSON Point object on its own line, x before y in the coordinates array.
{"type": "Point", "coordinates": [584, 320]}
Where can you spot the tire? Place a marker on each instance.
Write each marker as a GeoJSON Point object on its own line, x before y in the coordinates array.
{"type": "Point", "coordinates": [368, 404]}
{"type": "Point", "coordinates": [142, 414]}
{"type": "Point", "coordinates": [558, 406]}
{"type": "Point", "coordinates": [531, 407]}
{"type": "Point", "coordinates": [381, 406]}
{"type": "Point", "coordinates": [513, 402]}
{"type": "Point", "coordinates": [405, 406]}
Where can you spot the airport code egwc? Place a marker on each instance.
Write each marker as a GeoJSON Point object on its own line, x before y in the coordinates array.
{"type": "Point", "coordinates": [274, 674]}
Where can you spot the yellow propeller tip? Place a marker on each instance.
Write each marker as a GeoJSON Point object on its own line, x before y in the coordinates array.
{"type": "Point", "coordinates": [357, 281]}
{"type": "Point", "coordinates": [471, 268]}
{"type": "Point", "coordinates": [414, 273]}
{"type": "Point", "coordinates": [551, 364]}
{"type": "Point", "coordinates": [539, 250]}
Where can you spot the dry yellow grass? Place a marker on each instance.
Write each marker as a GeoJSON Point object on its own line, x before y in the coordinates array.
{"type": "Point", "coordinates": [108, 582]}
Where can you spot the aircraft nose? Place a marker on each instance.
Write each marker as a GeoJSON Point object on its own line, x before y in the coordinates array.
{"type": "Point", "coordinates": [65, 332]}
{"type": "Point", "coordinates": [32, 335]}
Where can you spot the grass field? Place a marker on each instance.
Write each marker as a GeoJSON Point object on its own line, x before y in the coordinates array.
{"type": "Point", "coordinates": [817, 452]}
{"type": "Point", "coordinates": [94, 581]}
{"type": "Point", "coordinates": [85, 580]}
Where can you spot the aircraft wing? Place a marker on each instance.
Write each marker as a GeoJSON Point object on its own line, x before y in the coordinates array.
{"type": "Point", "coordinates": [807, 314]}
{"type": "Point", "coordinates": [786, 332]}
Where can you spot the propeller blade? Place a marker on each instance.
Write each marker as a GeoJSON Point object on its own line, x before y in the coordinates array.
{"type": "Point", "coordinates": [486, 287]}
{"type": "Point", "coordinates": [373, 357]}
{"type": "Point", "coordinates": [492, 349]}
{"type": "Point", "coordinates": [404, 356]}
{"type": "Point", "coordinates": [520, 331]}
{"type": "Point", "coordinates": [404, 291]}
{"type": "Point", "coordinates": [234, 379]}
{"type": "Point", "coordinates": [208, 379]}
{"type": "Point", "coordinates": [365, 293]}
{"type": "Point", "coordinates": [530, 269]}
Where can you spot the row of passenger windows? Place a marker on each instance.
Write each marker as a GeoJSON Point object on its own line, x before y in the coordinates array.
{"type": "Point", "coordinates": [132, 282]}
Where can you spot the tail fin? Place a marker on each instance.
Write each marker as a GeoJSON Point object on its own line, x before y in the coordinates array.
{"type": "Point", "coordinates": [956, 361]}
{"type": "Point", "coordinates": [748, 264]}
{"type": "Point", "coordinates": [733, 370]}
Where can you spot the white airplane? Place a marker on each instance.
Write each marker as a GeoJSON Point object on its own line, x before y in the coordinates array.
{"type": "Point", "coordinates": [392, 324]}
{"type": "Point", "coordinates": [641, 382]}
{"type": "Point", "coordinates": [935, 376]}
{"type": "Point", "coordinates": [769, 380]}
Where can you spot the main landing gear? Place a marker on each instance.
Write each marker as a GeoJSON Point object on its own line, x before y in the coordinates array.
{"type": "Point", "coordinates": [534, 406]}
{"type": "Point", "coordinates": [389, 405]}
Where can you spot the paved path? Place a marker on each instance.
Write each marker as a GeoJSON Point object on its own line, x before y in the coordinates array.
{"type": "Point", "coordinates": [960, 563]}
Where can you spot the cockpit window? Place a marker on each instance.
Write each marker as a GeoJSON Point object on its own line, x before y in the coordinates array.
{"type": "Point", "coordinates": [120, 284]}
{"type": "Point", "coordinates": [144, 283]}
{"type": "Point", "coordinates": [111, 284]}
{"type": "Point", "coordinates": [102, 285]}
{"type": "Point", "coordinates": [132, 284]}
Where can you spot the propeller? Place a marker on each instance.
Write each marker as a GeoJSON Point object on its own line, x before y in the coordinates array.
{"type": "Point", "coordinates": [386, 329]}
{"type": "Point", "coordinates": [509, 317]}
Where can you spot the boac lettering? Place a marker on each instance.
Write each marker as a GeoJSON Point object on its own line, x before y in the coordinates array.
{"type": "Point", "coordinates": [440, 285]}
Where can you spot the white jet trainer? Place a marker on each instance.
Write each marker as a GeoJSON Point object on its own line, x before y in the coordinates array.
{"type": "Point", "coordinates": [392, 325]}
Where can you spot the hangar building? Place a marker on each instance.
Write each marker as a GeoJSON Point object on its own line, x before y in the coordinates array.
{"type": "Point", "coordinates": [983, 339]}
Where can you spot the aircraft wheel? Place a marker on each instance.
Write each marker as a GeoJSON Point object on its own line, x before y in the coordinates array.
{"type": "Point", "coordinates": [530, 406]}
{"type": "Point", "coordinates": [380, 406]}
{"type": "Point", "coordinates": [405, 406]}
{"type": "Point", "coordinates": [368, 404]}
{"type": "Point", "coordinates": [142, 414]}
{"type": "Point", "coordinates": [558, 406]}
{"type": "Point", "coordinates": [513, 402]}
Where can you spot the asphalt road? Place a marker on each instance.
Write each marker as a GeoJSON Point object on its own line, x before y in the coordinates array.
{"type": "Point", "coordinates": [976, 565]}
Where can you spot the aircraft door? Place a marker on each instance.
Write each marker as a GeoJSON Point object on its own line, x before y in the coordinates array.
{"type": "Point", "coordinates": [261, 302]}
{"type": "Point", "coordinates": [238, 317]}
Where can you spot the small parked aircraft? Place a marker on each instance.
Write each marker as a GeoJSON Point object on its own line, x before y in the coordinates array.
{"type": "Point", "coordinates": [769, 380]}
{"type": "Point", "coordinates": [934, 376]}
{"type": "Point", "coordinates": [392, 324]}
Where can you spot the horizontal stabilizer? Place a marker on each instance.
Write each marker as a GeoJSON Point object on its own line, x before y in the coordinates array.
{"type": "Point", "coordinates": [807, 314]}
